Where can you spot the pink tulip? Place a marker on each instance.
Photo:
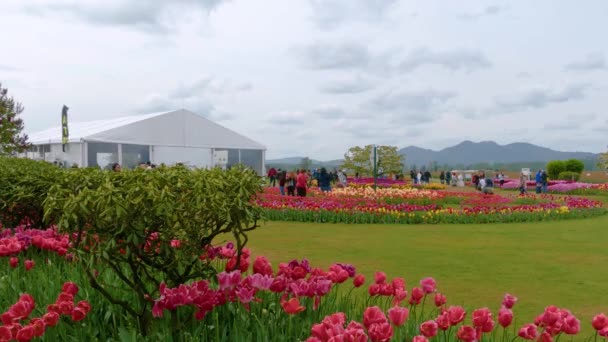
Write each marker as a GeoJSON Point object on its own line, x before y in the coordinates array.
{"type": "Point", "coordinates": [467, 334]}
{"type": "Point", "coordinates": [528, 332]}
{"type": "Point", "coordinates": [420, 338]}
{"type": "Point", "coordinates": [440, 299]}
{"type": "Point", "coordinates": [505, 317]}
{"type": "Point", "coordinates": [429, 328]}
{"type": "Point", "coordinates": [380, 332]}
{"type": "Point", "coordinates": [417, 295]}
{"type": "Point", "coordinates": [509, 301]}
{"type": "Point", "coordinates": [380, 278]}
{"type": "Point", "coordinates": [373, 315]}
{"type": "Point", "coordinates": [456, 314]}
{"type": "Point", "coordinates": [13, 262]}
{"type": "Point", "coordinates": [600, 321]}
{"type": "Point", "coordinates": [398, 315]}
{"type": "Point", "coordinates": [428, 285]}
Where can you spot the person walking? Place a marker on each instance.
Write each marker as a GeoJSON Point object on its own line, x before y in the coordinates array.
{"type": "Point", "coordinates": [272, 176]}
{"type": "Point", "coordinates": [427, 176]}
{"type": "Point", "coordinates": [501, 179]}
{"type": "Point", "coordinates": [418, 178]}
{"type": "Point", "coordinates": [539, 181]}
{"type": "Point", "coordinates": [442, 177]}
{"type": "Point", "coordinates": [544, 181]}
{"type": "Point", "coordinates": [282, 181]}
{"type": "Point", "coordinates": [301, 182]}
{"type": "Point", "coordinates": [413, 176]}
{"type": "Point", "coordinates": [523, 183]}
{"type": "Point", "coordinates": [448, 178]}
{"type": "Point", "coordinates": [324, 180]}
{"type": "Point", "coordinates": [291, 184]}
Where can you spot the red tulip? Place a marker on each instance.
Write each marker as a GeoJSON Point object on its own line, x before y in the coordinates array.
{"type": "Point", "coordinates": [14, 262]}
{"type": "Point", "coordinates": [51, 318]}
{"type": "Point", "coordinates": [29, 264]}
{"type": "Point", "coordinates": [443, 321]}
{"type": "Point", "coordinates": [359, 280]}
{"type": "Point", "coordinates": [262, 265]}
{"type": "Point", "coordinates": [417, 295]}
{"type": "Point", "coordinates": [292, 306]}
{"type": "Point", "coordinates": [78, 314]}
{"type": "Point", "coordinates": [509, 301]}
{"type": "Point", "coordinates": [456, 314]}
{"type": "Point", "coordinates": [505, 317]}
{"type": "Point", "coordinates": [380, 278]}
{"type": "Point", "coordinates": [420, 338]}
{"type": "Point", "coordinates": [70, 287]}
{"type": "Point", "coordinates": [5, 333]}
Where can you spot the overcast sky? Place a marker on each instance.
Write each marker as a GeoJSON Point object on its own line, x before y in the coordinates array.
{"type": "Point", "coordinates": [314, 77]}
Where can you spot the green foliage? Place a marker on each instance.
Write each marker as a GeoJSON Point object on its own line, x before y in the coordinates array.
{"type": "Point", "coordinates": [555, 167]}
{"type": "Point", "coordinates": [602, 161]}
{"type": "Point", "coordinates": [24, 184]}
{"type": "Point", "coordinates": [358, 160]}
{"type": "Point", "coordinates": [12, 140]}
{"type": "Point", "coordinates": [569, 175]}
{"type": "Point", "coordinates": [125, 223]}
{"type": "Point", "coordinates": [574, 165]}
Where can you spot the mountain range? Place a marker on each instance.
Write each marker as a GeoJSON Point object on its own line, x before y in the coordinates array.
{"type": "Point", "coordinates": [464, 154]}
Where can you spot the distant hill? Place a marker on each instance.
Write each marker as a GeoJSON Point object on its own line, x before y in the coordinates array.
{"type": "Point", "coordinates": [467, 153]}
{"type": "Point", "coordinates": [489, 152]}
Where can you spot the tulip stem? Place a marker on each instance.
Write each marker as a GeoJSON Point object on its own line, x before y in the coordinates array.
{"type": "Point", "coordinates": [422, 310]}
{"type": "Point", "coordinates": [595, 340]}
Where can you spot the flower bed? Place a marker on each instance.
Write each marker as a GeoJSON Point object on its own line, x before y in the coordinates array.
{"type": "Point", "coordinates": [562, 187]}
{"type": "Point", "coordinates": [389, 205]}
{"type": "Point", "coordinates": [294, 301]}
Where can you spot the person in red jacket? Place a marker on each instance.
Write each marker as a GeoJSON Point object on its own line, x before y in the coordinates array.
{"type": "Point", "coordinates": [272, 175]}
{"type": "Point", "coordinates": [301, 183]}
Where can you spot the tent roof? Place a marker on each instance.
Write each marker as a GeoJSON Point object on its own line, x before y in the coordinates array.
{"type": "Point", "coordinates": [172, 128]}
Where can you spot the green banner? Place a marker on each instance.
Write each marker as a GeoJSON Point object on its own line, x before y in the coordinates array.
{"type": "Point", "coordinates": [64, 127]}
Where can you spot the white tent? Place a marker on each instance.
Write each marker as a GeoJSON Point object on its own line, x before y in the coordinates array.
{"type": "Point", "coordinates": [178, 136]}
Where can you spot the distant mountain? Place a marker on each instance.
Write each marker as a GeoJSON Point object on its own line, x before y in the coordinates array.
{"type": "Point", "coordinates": [469, 153]}
{"type": "Point", "coordinates": [464, 154]}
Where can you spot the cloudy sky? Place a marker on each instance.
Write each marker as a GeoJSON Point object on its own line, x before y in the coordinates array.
{"type": "Point", "coordinates": [314, 77]}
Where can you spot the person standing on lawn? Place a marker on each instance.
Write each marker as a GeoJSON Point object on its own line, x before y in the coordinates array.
{"type": "Point", "coordinates": [301, 182]}
{"type": "Point", "coordinates": [324, 180]}
{"type": "Point", "coordinates": [539, 181]}
{"type": "Point", "coordinates": [272, 176]}
{"type": "Point", "coordinates": [523, 183]}
{"type": "Point", "coordinates": [544, 181]}
{"type": "Point", "coordinates": [442, 177]}
{"type": "Point", "coordinates": [448, 178]}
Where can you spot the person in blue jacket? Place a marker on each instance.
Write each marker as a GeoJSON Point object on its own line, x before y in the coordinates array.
{"type": "Point", "coordinates": [324, 180]}
{"type": "Point", "coordinates": [539, 181]}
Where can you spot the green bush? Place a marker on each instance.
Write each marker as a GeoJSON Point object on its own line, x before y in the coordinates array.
{"type": "Point", "coordinates": [150, 226]}
{"type": "Point", "coordinates": [24, 184]}
{"type": "Point", "coordinates": [575, 165]}
{"type": "Point", "coordinates": [555, 167]}
{"type": "Point", "coordinates": [569, 175]}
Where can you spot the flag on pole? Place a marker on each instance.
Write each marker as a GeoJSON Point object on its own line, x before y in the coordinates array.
{"type": "Point", "coordinates": [64, 127]}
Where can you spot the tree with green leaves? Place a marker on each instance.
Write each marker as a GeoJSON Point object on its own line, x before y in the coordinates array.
{"type": "Point", "coordinates": [358, 160]}
{"type": "Point", "coordinates": [602, 161]}
{"type": "Point", "coordinates": [12, 140]}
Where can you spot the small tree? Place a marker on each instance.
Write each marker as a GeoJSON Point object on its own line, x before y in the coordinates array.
{"type": "Point", "coordinates": [602, 161]}
{"type": "Point", "coordinates": [12, 140]}
{"type": "Point", "coordinates": [358, 159]}
{"type": "Point", "coordinates": [555, 167]}
{"type": "Point", "coordinates": [574, 165]}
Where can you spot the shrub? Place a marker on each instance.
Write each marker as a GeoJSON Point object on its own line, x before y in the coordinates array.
{"type": "Point", "coordinates": [574, 165]}
{"type": "Point", "coordinates": [555, 167]}
{"type": "Point", "coordinates": [151, 226]}
{"type": "Point", "coordinates": [24, 184]}
{"type": "Point", "coordinates": [569, 175]}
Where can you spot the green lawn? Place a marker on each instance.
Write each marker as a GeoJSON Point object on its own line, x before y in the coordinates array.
{"type": "Point", "coordinates": [561, 263]}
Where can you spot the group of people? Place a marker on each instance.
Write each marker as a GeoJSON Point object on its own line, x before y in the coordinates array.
{"type": "Point", "coordinates": [420, 177]}
{"type": "Point", "coordinates": [297, 182]}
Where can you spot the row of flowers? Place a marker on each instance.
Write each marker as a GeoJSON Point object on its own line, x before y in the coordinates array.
{"type": "Point", "coordinates": [561, 186]}
{"type": "Point", "coordinates": [403, 317]}
{"type": "Point", "coordinates": [363, 205]}
{"type": "Point", "coordinates": [15, 328]}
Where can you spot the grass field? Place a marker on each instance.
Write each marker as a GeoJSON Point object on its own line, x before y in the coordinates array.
{"type": "Point", "coordinates": [560, 263]}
